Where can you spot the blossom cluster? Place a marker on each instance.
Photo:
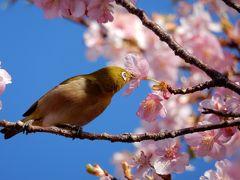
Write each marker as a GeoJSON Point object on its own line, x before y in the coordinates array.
{"type": "Point", "coordinates": [99, 10]}
{"type": "Point", "coordinates": [149, 57]}
{"type": "Point", "coordinates": [154, 158]}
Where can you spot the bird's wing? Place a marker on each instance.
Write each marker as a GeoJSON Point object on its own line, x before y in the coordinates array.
{"type": "Point", "coordinates": [34, 105]}
{"type": "Point", "coordinates": [93, 88]}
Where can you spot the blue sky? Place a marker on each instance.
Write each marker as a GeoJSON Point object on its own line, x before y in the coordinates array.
{"type": "Point", "coordinates": [39, 54]}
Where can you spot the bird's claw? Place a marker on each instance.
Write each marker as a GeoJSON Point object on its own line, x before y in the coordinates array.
{"type": "Point", "coordinates": [75, 129]}
{"type": "Point", "coordinates": [26, 126]}
{"type": "Point", "coordinates": [77, 132]}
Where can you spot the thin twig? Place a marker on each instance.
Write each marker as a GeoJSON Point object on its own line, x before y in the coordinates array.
{"type": "Point", "coordinates": [232, 4]}
{"type": "Point", "coordinates": [199, 87]}
{"type": "Point", "coordinates": [127, 138]}
{"type": "Point", "coordinates": [219, 78]}
{"type": "Point", "coordinates": [221, 113]}
{"type": "Point", "coordinates": [229, 43]}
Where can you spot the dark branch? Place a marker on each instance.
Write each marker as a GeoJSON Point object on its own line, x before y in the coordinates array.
{"type": "Point", "coordinates": [219, 78]}
{"type": "Point", "coordinates": [229, 43]}
{"type": "Point", "coordinates": [221, 113]}
{"type": "Point", "coordinates": [127, 138]}
{"type": "Point", "coordinates": [233, 5]}
{"type": "Point", "coordinates": [167, 38]}
{"type": "Point", "coordinates": [199, 87]}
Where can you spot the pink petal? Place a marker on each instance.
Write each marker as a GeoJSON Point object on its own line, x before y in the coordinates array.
{"type": "Point", "coordinates": [78, 8]}
{"type": "Point", "coordinates": [180, 163]}
{"type": "Point", "coordinates": [193, 139]}
{"type": "Point", "coordinates": [162, 166]}
{"type": "Point", "coordinates": [218, 151]}
{"type": "Point", "coordinates": [139, 67]}
{"type": "Point", "coordinates": [133, 84]}
{"type": "Point", "coordinates": [5, 77]}
{"type": "Point", "coordinates": [151, 108]}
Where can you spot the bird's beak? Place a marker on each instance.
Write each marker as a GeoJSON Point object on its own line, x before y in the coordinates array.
{"type": "Point", "coordinates": [132, 76]}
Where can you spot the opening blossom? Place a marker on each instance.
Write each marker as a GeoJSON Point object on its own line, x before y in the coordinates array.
{"type": "Point", "coordinates": [139, 67]}
{"type": "Point", "coordinates": [151, 108]}
{"type": "Point", "coordinates": [169, 159]}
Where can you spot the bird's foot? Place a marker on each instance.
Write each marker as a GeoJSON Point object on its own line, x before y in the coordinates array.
{"type": "Point", "coordinates": [26, 126]}
{"type": "Point", "coordinates": [68, 127]}
{"type": "Point", "coordinates": [79, 131]}
{"type": "Point", "coordinates": [76, 130]}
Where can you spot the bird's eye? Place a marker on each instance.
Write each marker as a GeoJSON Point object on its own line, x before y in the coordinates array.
{"type": "Point", "coordinates": [124, 76]}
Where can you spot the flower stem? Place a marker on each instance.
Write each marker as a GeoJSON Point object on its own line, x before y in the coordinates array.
{"type": "Point", "coordinates": [151, 79]}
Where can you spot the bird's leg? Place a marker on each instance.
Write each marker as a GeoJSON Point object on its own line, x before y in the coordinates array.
{"type": "Point", "coordinates": [68, 127]}
{"type": "Point", "coordinates": [76, 129]}
{"type": "Point", "coordinates": [79, 131]}
{"type": "Point", "coordinates": [27, 125]}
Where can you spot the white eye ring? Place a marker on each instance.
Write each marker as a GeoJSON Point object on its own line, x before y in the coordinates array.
{"type": "Point", "coordinates": [124, 76]}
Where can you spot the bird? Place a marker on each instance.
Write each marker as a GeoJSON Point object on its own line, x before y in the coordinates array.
{"type": "Point", "coordinates": [77, 100]}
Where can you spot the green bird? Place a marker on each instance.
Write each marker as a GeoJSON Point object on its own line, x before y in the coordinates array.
{"type": "Point", "coordinates": [77, 100]}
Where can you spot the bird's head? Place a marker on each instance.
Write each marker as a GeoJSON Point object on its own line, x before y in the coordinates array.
{"type": "Point", "coordinates": [113, 78]}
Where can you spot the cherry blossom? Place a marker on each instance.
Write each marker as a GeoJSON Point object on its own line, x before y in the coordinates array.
{"type": "Point", "coordinates": [200, 19]}
{"type": "Point", "coordinates": [216, 102]}
{"type": "Point", "coordinates": [225, 169]}
{"type": "Point", "coordinates": [100, 10]}
{"type": "Point", "coordinates": [144, 168]}
{"type": "Point", "coordinates": [151, 108]}
{"type": "Point", "coordinates": [95, 9]}
{"type": "Point", "coordinates": [168, 159]}
{"type": "Point", "coordinates": [212, 143]}
{"type": "Point", "coordinates": [62, 8]}
{"type": "Point", "coordinates": [196, 34]}
{"type": "Point", "coordinates": [139, 67]}
{"type": "Point", "coordinates": [178, 113]}
{"type": "Point", "coordinates": [5, 79]}
{"type": "Point", "coordinates": [94, 41]}
{"type": "Point", "coordinates": [223, 104]}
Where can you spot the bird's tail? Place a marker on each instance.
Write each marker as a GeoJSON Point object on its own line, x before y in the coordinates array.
{"type": "Point", "coordinates": [10, 132]}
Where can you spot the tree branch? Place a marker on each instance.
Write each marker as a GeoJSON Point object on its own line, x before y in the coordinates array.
{"type": "Point", "coordinates": [233, 5]}
{"type": "Point", "coordinates": [127, 137]}
{"type": "Point", "coordinates": [229, 43]}
{"type": "Point", "coordinates": [199, 87]}
{"type": "Point", "coordinates": [220, 113]}
{"type": "Point", "coordinates": [219, 78]}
